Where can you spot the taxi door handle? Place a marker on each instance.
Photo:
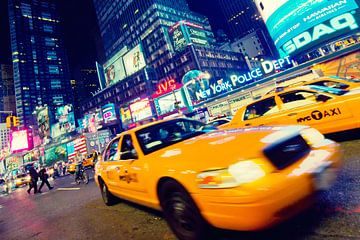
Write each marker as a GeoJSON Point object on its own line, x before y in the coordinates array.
{"type": "Point", "coordinates": [292, 114]}
{"type": "Point", "coordinates": [248, 124]}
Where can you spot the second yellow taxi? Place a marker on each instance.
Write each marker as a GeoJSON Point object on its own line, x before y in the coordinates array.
{"type": "Point", "coordinates": [327, 109]}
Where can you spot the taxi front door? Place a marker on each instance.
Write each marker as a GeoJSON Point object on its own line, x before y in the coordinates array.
{"type": "Point", "coordinates": [133, 171]}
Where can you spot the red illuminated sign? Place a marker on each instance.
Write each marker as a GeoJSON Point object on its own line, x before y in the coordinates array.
{"type": "Point", "coordinates": [166, 86]}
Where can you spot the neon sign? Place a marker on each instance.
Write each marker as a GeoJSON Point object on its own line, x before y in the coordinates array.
{"type": "Point", "coordinates": [166, 86]}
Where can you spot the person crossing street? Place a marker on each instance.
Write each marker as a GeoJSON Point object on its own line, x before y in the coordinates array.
{"type": "Point", "coordinates": [44, 179]}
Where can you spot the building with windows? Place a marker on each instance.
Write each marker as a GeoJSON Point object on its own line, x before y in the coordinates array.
{"type": "Point", "coordinates": [41, 75]}
{"type": "Point", "coordinates": [4, 136]}
{"type": "Point", "coordinates": [8, 93]}
{"type": "Point", "coordinates": [85, 85]}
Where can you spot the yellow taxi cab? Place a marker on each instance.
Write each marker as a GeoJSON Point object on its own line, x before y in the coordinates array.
{"type": "Point", "coordinates": [22, 179]}
{"type": "Point", "coordinates": [88, 161]}
{"type": "Point", "coordinates": [239, 179]}
{"type": "Point", "coordinates": [327, 109]}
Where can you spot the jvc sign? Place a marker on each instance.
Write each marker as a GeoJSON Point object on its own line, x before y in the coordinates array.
{"type": "Point", "coordinates": [323, 31]}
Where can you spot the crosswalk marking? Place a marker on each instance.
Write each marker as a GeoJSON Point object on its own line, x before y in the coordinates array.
{"type": "Point", "coordinates": [67, 189]}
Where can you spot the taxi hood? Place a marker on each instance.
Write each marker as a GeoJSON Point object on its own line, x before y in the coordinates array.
{"type": "Point", "coordinates": [223, 147]}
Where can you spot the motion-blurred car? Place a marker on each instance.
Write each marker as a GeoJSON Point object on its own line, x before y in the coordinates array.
{"type": "Point", "coordinates": [219, 122]}
{"type": "Point", "coordinates": [327, 109]}
{"type": "Point", "coordinates": [22, 179]}
{"type": "Point", "coordinates": [239, 179]}
{"type": "Point", "coordinates": [329, 81]}
{"type": "Point", "coordinates": [88, 162]}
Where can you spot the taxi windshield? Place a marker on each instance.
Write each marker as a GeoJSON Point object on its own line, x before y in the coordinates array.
{"type": "Point", "coordinates": [335, 91]}
{"type": "Point", "coordinates": [164, 134]}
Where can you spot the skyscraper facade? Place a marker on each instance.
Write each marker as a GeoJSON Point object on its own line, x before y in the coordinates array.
{"type": "Point", "coordinates": [41, 75]}
{"type": "Point", "coordinates": [243, 18]}
{"type": "Point", "coordinates": [7, 93]}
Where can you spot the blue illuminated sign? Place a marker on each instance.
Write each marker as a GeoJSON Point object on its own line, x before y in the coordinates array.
{"type": "Point", "coordinates": [302, 24]}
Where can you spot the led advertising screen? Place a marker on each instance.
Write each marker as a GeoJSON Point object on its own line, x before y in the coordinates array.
{"type": "Point", "coordinates": [177, 37]}
{"type": "Point", "coordinates": [114, 70]}
{"type": "Point", "coordinates": [42, 116]}
{"type": "Point", "coordinates": [134, 60]}
{"type": "Point", "coordinates": [141, 109]}
{"type": "Point", "coordinates": [21, 141]}
{"type": "Point", "coordinates": [299, 25]}
{"type": "Point", "coordinates": [109, 113]}
{"type": "Point", "coordinates": [65, 121]}
{"type": "Point", "coordinates": [125, 115]}
{"type": "Point", "coordinates": [166, 104]}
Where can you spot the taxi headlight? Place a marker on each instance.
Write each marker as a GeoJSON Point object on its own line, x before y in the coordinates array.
{"type": "Point", "coordinates": [312, 136]}
{"type": "Point", "coordinates": [235, 175]}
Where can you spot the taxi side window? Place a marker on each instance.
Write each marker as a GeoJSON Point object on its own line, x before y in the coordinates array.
{"type": "Point", "coordinates": [295, 99]}
{"type": "Point", "coordinates": [112, 153]}
{"type": "Point", "coordinates": [127, 148]}
{"type": "Point", "coordinates": [261, 108]}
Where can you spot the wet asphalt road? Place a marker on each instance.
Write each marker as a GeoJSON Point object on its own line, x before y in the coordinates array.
{"type": "Point", "coordinates": [77, 212]}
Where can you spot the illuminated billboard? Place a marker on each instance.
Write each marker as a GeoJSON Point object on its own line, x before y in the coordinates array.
{"type": "Point", "coordinates": [114, 70]}
{"type": "Point", "coordinates": [42, 117]}
{"type": "Point", "coordinates": [125, 115]}
{"type": "Point", "coordinates": [166, 103]}
{"type": "Point", "coordinates": [109, 113]}
{"type": "Point", "coordinates": [134, 60]}
{"type": "Point", "coordinates": [65, 121]}
{"type": "Point", "coordinates": [184, 32]}
{"type": "Point", "coordinates": [21, 141]}
{"type": "Point", "coordinates": [299, 25]}
{"type": "Point", "coordinates": [141, 109]}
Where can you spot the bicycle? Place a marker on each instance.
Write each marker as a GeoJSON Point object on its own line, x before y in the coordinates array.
{"type": "Point", "coordinates": [82, 176]}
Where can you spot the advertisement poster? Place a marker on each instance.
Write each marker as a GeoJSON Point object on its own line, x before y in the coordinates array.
{"type": "Point", "coordinates": [196, 84]}
{"type": "Point", "coordinates": [21, 141]}
{"type": "Point", "coordinates": [114, 71]}
{"type": "Point", "coordinates": [42, 116]}
{"type": "Point", "coordinates": [109, 113]}
{"type": "Point", "coordinates": [77, 145]}
{"type": "Point", "coordinates": [134, 60]}
{"type": "Point", "coordinates": [166, 103]}
{"type": "Point", "coordinates": [141, 109]}
{"type": "Point", "coordinates": [125, 115]}
{"type": "Point", "coordinates": [301, 24]}
{"type": "Point", "coordinates": [55, 154]}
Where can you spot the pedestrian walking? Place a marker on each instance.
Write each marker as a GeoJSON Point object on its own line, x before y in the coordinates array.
{"type": "Point", "coordinates": [44, 179]}
{"type": "Point", "coordinates": [34, 179]}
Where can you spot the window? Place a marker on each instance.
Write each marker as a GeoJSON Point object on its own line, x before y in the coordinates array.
{"type": "Point", "coordinates": [331, 84]}
{"type": "Point", "coordinates": [164, 134]}
{"type": "Point", "coordinates": [112, 153]}
{"type": "Point", "coordinates": [261, 108]}
{"type": "Point", "coordinates": [299, 98]}
{"type": "Point", "coordinates": [127, 148]}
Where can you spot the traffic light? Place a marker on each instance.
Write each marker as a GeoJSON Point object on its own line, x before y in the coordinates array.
{"type": "Point", "coordinates": [12, 121]}
{"type": "Point", "coordinates": [8, 121]}
{"type": "Point", "coordinates": [16, 121]}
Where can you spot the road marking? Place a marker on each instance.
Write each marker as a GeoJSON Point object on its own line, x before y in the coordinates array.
{"type": "Point", "coordinates": [67, 189]}
{"type": "Point", "coordinates": [1, 206]}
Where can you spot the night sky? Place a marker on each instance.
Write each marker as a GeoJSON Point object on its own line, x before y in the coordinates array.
{"type": "Point", "coordinates": [80, 26]}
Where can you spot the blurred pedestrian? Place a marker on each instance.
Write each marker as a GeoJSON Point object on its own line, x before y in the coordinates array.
{"type": "Point", "coordinates": [34, 179]}
{"type": "Point", "coordinates": [64, 168]}
{"type": "Point", "coordinates": [44, 179]}
{"type": "Point", "coordinates": [60, 167]}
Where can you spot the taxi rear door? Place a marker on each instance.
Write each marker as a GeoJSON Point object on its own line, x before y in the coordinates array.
{"type": "Point", "coordinates": [322, 111]}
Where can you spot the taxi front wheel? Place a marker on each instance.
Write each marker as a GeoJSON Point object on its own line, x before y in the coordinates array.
{"type": "Point", "coordinates": [181, 213]}
{"type": "Point", "coordinates": [107, 197]}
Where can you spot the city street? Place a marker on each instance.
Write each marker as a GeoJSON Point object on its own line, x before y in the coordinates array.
{"type": "Point", "coordinates": [77, 212]}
